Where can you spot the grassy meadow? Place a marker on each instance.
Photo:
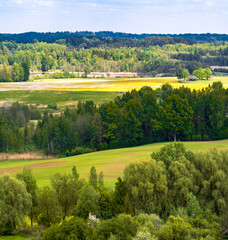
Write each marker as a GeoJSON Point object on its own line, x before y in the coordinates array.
{"type": "Point", "coordinates": [61, 98]}
{"type": "Point", "coordinates": [112, 162]}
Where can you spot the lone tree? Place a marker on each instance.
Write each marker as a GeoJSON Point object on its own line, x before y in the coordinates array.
{"type": "Point", "coordinates": [208, 73]}
{"type": "Point", "coordinates": [182, 73]}
{"type": "Point", "coordinates": [86, 71]}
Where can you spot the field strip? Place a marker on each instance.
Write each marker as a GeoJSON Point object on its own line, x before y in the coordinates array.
{"type": "Point", "coordinates": [118, 85]}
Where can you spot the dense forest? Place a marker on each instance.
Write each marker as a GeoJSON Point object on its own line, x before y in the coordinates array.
{"type": "Point", "coordinates": [177, 194]}
{"type": "Point", "coordinates": [138, 117]}
{"type": "Point", "coordinates": [151, 56]}
{"type": "Point", "coordinates": [50, 37]}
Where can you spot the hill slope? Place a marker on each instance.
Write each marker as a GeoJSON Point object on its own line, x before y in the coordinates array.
{"type": "Point", "coordinates": [112, 162]}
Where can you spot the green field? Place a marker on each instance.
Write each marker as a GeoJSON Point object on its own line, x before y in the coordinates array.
{"type": "Point", "coordinates": [112, 162]}
{"type": "Point", "coordinates": [61, 98]}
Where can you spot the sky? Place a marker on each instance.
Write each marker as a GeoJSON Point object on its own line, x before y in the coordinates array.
{"type": "Point", "coordinates": [131, 16]}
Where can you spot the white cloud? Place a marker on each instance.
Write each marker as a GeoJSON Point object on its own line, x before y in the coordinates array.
{"type": "Point", "coordinates": [41, 3]}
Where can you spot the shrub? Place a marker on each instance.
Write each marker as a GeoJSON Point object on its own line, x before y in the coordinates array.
{"type": "Point", "coordinates": [52, 106]}
{"type": "Point", "coordinates": [168, 75]}
{"type": "Point", "coordinates": [81, 150]}
{"type": "Point", "coordinates": [206, 137]}
{"type": "Point", "coordinates": [196, 137]}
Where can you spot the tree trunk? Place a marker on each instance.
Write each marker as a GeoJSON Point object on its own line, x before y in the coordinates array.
{"type": "Point", "coordinates": [175, 137]}
{"type": "Point", "coordinates": [31, 220]}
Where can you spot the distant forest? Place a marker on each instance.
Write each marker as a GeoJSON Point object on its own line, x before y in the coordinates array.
{"type": "Point", "coordinates": [50, 37]}
{"type": "Point", "coordinates": [156, 57]}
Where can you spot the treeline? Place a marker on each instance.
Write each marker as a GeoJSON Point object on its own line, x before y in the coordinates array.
{"type": "Point", "coordinates": [30, 37]}
{"type": "Point", "coordinates": [16, 127]}
{"type": "Point", "coordinates": [138, 117]}
{"type": "Point", "coordinates": [177, 195]}
{"type": "Point", "coordinates": [144, 60]}
{"type": "Point", "coordinates": [94, 42]}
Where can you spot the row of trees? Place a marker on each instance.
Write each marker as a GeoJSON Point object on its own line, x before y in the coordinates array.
{"type": "Point", "coordinates": [175, 195]}
{"type": "Point", "coordinates": [138, 117]}
{"type": "Point", "coordinates": [183, 73]}
{"type": "Point", "coordinates": [162, 59]}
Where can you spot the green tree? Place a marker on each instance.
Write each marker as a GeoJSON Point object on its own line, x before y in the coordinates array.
{"type": "Point", "coordinates": [119, 195]}
{"type": "Point", "coordinates": [105, 204]}
{"type": "Point", "coordinates": [208, 73]}
{"type": "Point", "coordinates": [127, 207]}
{"type": "Point", "coordinates": [87, 202]}
{"type": "Point", "coordinates": [48, 207]}
{"type": "Point", "coordinates": [110, 117]}
{"type": "Point", "coordinates": [147, 185]}
{"type": "Point", "coordinates": [18, 72]}
{"type": "Point", "coordinates": [15, 203]}
{"type": "Point", "coordinates": [75, 173]}
{"type": "Point", "coordinates": [45, 63]}
{"type": "Point", "coordinates": [93, 177]}
{"type": "Point", "coordinates": [212, 170]}
{"type": "Point", "coordinates": [165, 91]}
{"type": "Point", "coordinates": [215, 108]}
{"type": "Point", "coordinates": [73, 228]}
{"type": "Point", "coordinates": [122, 227]}
{"type": "Point", "coordinates": [193, 208]}
{"type": "Point", "coordinates": [175, 228]}
{"type": "Point", "coordinates": [26, 71]}
{"type": "Point", "coordinates": [178, 116]}
{"type": "Point", "coordinates": [147, 225]}
{"type": "Point", "coordinates": [172, 152]}
{"type": "Point", "coordinates": [180, 174]}
{"type": "Point", "coordinates": [132, 122]}
{"type": "Point", "coordinates": [199, 73]}
{"type": "Point", "coordinates": [30, 182]}
{"type": "Point", "coordinates": [101, 179]}
{"type": "Point", "coordinates": [87, 70]}
{"type": "Point", "coordinates": [6, 74]}
{"type": "Point", "coordinates": [182, 73]}
{"type": "Point", "coordinates": [67, 189]}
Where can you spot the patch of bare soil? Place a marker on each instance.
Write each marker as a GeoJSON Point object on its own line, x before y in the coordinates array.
{"type": "Point", "coordinates": [115, 167]}
{"type": "Point", "coordinates": [24, 156]}
{"type": "Point", "coordinates": [110, 176]}
{"type": "Point", "coordinates": [38, 165]}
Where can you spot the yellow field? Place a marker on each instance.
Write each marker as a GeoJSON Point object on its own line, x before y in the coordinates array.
{"type": "Point", "coordinates": [106, 84]}
{"type": "Point", "coordinates": [126, 84]}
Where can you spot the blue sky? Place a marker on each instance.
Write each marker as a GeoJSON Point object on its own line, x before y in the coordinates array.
{"type": "Point", "coordinates": [134, 16]}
